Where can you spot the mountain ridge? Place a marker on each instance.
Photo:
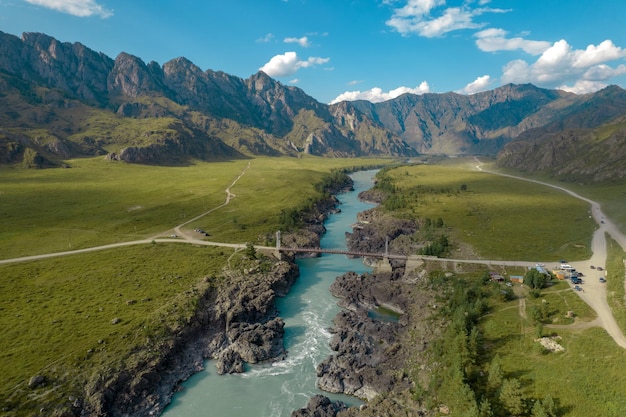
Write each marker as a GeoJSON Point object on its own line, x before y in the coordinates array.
{"type": "Point", "coordinates": [62, 100]}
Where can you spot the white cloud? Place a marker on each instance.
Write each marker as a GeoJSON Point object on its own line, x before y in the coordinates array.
{"type": "Point", "coordinates": [418, 7]}
{"type": "Point", "coordinates": [303, 41]}
{"type": "Point", "coordinates": [417, 17]}
{"type": "Point", "coordinates": [355, 82]}
{"type": "Point", "coordinates": [583, 87]}
{"type": "Point", "coordinates": [594, 79]}
{"type": "Point", "coordinates": [479, 84]}
{"type": "Point", "coordinates": [376, 94]}
{"type": "Point", "coordinates": [288, 64]}
{"type": "Point", "coordinates": [604, 72]}
{"type": "Point", "coordinates": [80, 8]}
{"type": "Point", "coordinates": [294, 81]}
{"type": "Point", "coordinates": [560, 65]}
{"type": "Point", "coordinates": [493, 40]}
{"type": "Point", "coordinates": [593, 55]}
{"type": "Point", "coordinates": [265, 38]}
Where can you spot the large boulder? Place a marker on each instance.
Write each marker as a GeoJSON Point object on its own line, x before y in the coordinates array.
{"type": "Point", "coordinates": [320, 406]}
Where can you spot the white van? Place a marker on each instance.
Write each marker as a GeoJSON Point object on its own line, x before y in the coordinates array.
{"type": "Point", "coordinates": [566, 267]}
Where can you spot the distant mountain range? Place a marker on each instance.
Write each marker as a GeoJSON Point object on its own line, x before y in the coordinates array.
{"type": "Point", "coordinates": [63, 100]}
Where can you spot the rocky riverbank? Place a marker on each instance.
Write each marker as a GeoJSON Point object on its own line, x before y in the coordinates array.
{"type": "Point", "coordinates": [374, 233]}
{"type": "Point", "coordinates": [378, 338]}
{"type": "Point", "coordinates": [381, 335]}
{"type": "Point", "coordinates": [235, 322]}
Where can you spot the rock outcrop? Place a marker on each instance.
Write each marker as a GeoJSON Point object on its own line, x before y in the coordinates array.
{"type": "Point", "coordinates": [320, 406]}
{"type": "Point", "coordinates": [366, 362]}
{"type": "Point", "coordinates": [373, 230]}
{"type": "Point", "coordinates": [385, 321]}
{"type": "Point", "coordinates": [234, 324]}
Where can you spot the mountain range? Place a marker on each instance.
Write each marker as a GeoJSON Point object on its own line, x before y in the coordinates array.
{"type": "Point", "coordinates": [63, 100]}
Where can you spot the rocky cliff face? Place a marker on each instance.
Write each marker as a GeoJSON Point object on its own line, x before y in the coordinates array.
{"type": "Point", "coordinates": [72, 68]}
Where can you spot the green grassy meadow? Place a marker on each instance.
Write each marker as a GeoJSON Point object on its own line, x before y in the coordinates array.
{"type": "Point", "coordinates": [69, 318]}
{"type": "Point", "coordinates": [616, 273]}
{"type": "Point", "coordinates": [500, 217]}
{"type": "Point", "coordinates": [98, 202]}
{"type": "Point", "coordinates": [585, 379]}
{"type": "Point", "coordinates": [611, 196]}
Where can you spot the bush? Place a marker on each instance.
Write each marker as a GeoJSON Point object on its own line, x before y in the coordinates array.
{"type": "Point", "coordinates": [535, 279]}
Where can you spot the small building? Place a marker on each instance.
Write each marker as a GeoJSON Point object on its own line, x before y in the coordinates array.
{"type": "Point", "coordinates": [517, 278]}
{"type": "Point", "coordinates": [495, 277]}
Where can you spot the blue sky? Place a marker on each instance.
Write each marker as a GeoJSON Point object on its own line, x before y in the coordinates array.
{"type": "Point", "coordinates": [354, 49]}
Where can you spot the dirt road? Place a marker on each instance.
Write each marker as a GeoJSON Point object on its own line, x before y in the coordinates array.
{"type": "Point", "coordinates": [594, 292]}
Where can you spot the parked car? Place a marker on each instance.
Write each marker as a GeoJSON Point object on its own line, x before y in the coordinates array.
{"type": "Point", "coordinates": [592, 267]}
{"type": "Point", "coordinates": [599, 268]}
{"type": "Point", "coordinates": [577, 288]}
{"type": "Point", "coordinates": [602, 279]}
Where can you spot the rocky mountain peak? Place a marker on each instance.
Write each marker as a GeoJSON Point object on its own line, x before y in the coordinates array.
{"type": "Point", "coordinates": [131, 77]}
{"type": "Point", "coordinates": [181, 65]}
{"type": "Point", "coordinates": [261, 82]}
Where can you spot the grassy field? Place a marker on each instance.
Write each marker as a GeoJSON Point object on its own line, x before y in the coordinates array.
{"type": "Point", "coordinates": [586, 379]}
{"type": "Point", "coordinates": [611, 196]}
{"type": "Point", "coordinates": [70, 317]}
{"type": "Point", "coordinates": [501, 218]}
{"type": "Point", "coordinates": [97, 202]}
{"type": "Point", "coordinates": [616, 272]}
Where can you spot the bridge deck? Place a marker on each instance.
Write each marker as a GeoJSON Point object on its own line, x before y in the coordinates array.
{"type": "Point", "coordinates": [406, 257]}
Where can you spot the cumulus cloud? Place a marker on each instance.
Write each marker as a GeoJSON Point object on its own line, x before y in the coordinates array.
{"type": "Point", "coordinates": [377, 95]}
{"type": "Point", "coordinates": [80, 8]}
{"type": "Point", "coordinates": [418, 16]}
{"type": "Point", "coordinates": [288, 64]}
{"type": "Point", "coordinates": [560, 64]}
{"type": "Point", "coordinates": [479, 84]}
{"type": "Point", "coordinates": [303, 41]}
{"type": "Point", "coordinates": [493, 40]}
{"type": "Point", "coordinates": [593, 55]}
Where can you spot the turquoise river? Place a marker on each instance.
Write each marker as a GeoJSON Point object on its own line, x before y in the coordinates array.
{"type": "Point", "coordinates": [275, 390]}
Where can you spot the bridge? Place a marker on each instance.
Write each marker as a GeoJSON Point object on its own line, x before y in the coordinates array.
{"type": "Point", "coordinates": [343, 252]}
{"type": "Point", "coordinates": [386, 256]}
